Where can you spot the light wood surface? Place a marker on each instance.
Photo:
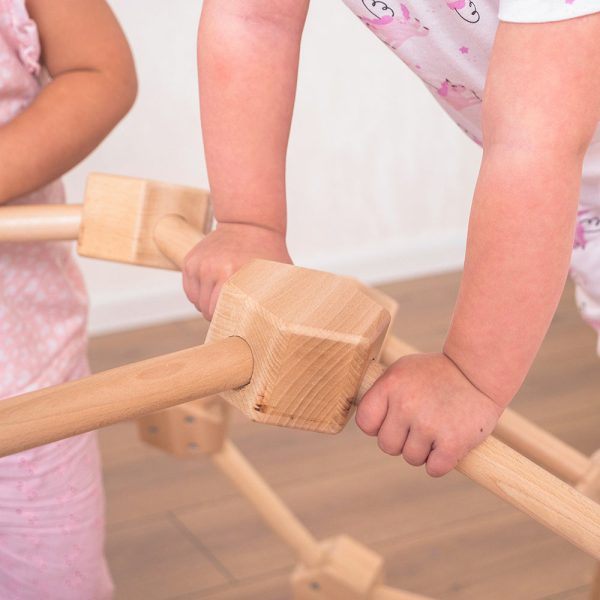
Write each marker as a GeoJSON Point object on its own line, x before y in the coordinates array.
{"type": "Point", "coordinates": [120, 215]}
{"type": "Point", "coordinates": [175, 237]}
{"type": "Point", "coordinates": [542, 496]}
{"type": "Point", "coordinates": [527, 486]}
{"type": "Point", "coordinates": [271, 508]}
{"type": "Point", "coordinates": [122, 393]}
{"type": "Point", "coordinates": [39, 222]}
{"type": "Point", "coordinates": [196, 428]}
{"type": "Point", "coordinates": [312, 335]}
{"type": "Point", "coordinates": [179, 531]}
{"type": "Point", "coordinates": [589, 484]}
{"type": "Point", "coordinates": [348, 571]}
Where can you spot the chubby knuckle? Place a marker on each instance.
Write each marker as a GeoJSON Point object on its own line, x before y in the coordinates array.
{"type": "Point", "coordinates": [366, 422]}
{"type": "Point", "coordinates": [413, 458]}
{"type": "Point", "coordinates": [388, 446]}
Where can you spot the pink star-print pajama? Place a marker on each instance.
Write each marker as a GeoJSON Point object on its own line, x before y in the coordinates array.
{"type": "Point", "coordinates": [448, 43]}
{"type": "Point", "coordinates": [51, 498]}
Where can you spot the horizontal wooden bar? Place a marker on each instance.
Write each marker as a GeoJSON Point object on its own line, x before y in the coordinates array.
{"type": "Point", "coordinates": [123, 393]}
{"type": "Point", "coordinates": [40, 222]}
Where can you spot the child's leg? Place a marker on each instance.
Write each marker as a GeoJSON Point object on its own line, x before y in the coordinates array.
{"type": "Point", "coordinates": [52, 521]}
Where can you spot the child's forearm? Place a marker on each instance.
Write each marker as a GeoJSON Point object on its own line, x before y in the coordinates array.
{"type": "Point", "coordinates": [93, 86]}
{"type": "Point", "coordinates": [248, 62]}
{"type": "Point", "coordinates": [64, 124]}
{"type": "Point", "coordinates": [520, 241]}
{"type": "Point", "coordinates": [523, 215]}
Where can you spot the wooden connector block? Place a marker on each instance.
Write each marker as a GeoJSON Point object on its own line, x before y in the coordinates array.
{"type": "Point", "coordinates": [312, 336]}
{"type": "Point", "coordinates": [120, 214]}
{"type": "Point", "coordinates": [391, 306]}
{"type": "Point", "coordinates": [192, 429]}
{"type": "Point", "coordinates": [349, 571]}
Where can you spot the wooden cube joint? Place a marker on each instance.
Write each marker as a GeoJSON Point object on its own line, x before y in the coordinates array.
{"type": "Point", "coordinates": [120, 214]}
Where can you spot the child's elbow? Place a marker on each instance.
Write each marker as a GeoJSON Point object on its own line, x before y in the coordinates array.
{"type": "Point", "coordinates": [125, 87]}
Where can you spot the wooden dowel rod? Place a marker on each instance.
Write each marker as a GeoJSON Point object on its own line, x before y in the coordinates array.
{"type": "Point", "coordinates": [137, 389]}
{"type": "Point", "coordinates": [43, 222]}
{"type": "Point", "coordinates": [521, 434]}
{"type": "Point", "coordinates": [175, 237]}
{"type": "Point", "coordinates": [542, 447]}
{"type": "Point", "coordinates": [536, 492]}
{"type": "Point", "coordinates": [384, 592]}
{"type": "Point", "coordinates": [270, 507]}
{"type": "Point", "coordinates": [526, 486]}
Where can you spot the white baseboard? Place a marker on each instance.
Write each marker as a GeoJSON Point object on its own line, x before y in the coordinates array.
{"type": "Point", "coordinates": [385, 262]}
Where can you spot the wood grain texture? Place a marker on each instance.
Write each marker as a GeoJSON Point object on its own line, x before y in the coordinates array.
{"type": "Point", "coordinates": [524, 484]}
{"type": "Point", "coordinates": [123, 393]}
{"type": "Point", "coordinates": [268, 505]}
{"type": "Point", "coordinates": [589, 484]}
{"type": "Point", "coordinates": [175, 237]}
{"type": "Point", "coordinates": [43, 222]}
{"type": "Point", "coordinates": [536, 492]}
{"type": "Point", "coordinates": [121, 213]}
{"type": "Point", "coordinates": [312, 335]}
{"type": "Point", "coordinates": [443, 538]}
{"type": "Point", "coordinates": [348, 571]}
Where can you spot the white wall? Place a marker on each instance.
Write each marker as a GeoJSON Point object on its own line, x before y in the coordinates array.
{"type": "Point", "coordinates": [379, 181]}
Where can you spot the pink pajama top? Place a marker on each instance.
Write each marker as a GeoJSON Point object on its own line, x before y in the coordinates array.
{"type": "Point", "coordinates": [43, 304]}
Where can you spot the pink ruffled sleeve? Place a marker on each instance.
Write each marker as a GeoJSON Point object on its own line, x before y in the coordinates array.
{"type": "Point", "coordinates": [26, 34]}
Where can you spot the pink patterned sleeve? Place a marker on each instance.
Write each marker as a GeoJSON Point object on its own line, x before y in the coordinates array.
{"type": "Point", "coordinates": [25, 34]}
{"type": "Point", "coordinates": [544, 11]}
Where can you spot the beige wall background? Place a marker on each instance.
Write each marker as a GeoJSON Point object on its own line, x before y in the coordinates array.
{"type": "Point", "coordinates": [380, 179]}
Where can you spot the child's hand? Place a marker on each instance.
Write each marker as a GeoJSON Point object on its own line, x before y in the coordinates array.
{"type": "Point", "coordinates": [221, 253]}
{"type": "Point", "coordinates": [424, 408]}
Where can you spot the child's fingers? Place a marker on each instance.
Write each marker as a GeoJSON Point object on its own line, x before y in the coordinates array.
{"type": "Point", "coordinates": [206, 289]}
{"type": "Point", "coordinates": [441, 461]}
{"type": "Point", "coordinates": [214, 297]}
{"type": "Point", "coordinates": [191, 287]}
{"type": "Point", "coordinates": [371, 411]}
{"type": "Point", "coordinates": [392, 435]}
{"type": "Point", "coordinates": [417, 447]}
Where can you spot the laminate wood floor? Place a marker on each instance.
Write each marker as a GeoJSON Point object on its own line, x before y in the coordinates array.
{"type": "Point", "coordinates": [177, 530]}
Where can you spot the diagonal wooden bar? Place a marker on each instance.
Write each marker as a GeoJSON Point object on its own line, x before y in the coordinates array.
{"type": "Point", "coordinates": [525, 485]}
{"type": "Point", "coordinates": [123, 393]}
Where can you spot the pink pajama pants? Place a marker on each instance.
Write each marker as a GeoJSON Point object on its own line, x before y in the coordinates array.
{"type": "Point", "coordinates": [52, 522]}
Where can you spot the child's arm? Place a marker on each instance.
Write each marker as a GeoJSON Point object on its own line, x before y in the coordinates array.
{"type": "Point", "coordinates": [248, 53]}
{"type": "Point", "coordinates": [93, 87]}
{"type": "Point", "coordinates": [541, 107]}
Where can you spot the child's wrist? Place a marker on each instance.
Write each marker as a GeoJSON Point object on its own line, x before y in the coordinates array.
{"type": "Point", "coordinates": [501, 396]}
{"type": "Point", "coordinates": [248, 226]}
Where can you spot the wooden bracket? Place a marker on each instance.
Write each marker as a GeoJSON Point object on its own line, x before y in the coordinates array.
{"type": "Point", "coordinates": [349, 571]}
{"type": "Point", "coordinates": [192, 429]}
{"type": "Point", "coordinates": [121, 213]}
